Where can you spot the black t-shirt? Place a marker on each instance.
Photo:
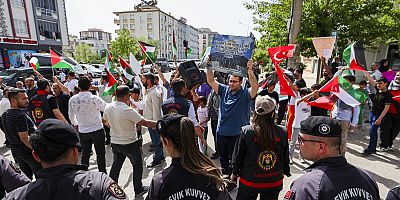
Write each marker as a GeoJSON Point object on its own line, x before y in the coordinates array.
{"type": "Point", "coordinates": [62, 101]}
{"type": "Point", "coordinates": [14, 121]}
{"type": "Point", "coordinates": [274, 95]}
{"type": "Point", "coordinates": [379, 101]}
{"type": "Point", "coordinates": [334, 66]}
{"type": "Point", "coordinates": [316, 111]}
{"type": "Point", "coordinates": [42, 107]}
{"type": "Point", "coordinates": [32, 92]}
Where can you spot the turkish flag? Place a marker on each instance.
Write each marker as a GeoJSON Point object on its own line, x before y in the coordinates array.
{"type": "Point", "coordinates": [278, 54]}
{"type": "Point", "coordinates": [285, 89]}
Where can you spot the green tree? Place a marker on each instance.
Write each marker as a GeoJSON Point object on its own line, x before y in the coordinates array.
{"type": "Point", "coordinates": [369, 21]}
{"type": "Point", "coordinates": [83, 54]}
{"type": "Point", "coordinates": [123, 45]}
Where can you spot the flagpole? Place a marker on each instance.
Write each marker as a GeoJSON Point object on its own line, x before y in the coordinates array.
{"type": "Point", "coordinates": [52, 68]}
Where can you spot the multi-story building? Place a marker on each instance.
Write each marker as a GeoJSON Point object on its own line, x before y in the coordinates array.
{"type": "Point", "coordinates": [69, 50]}
{"type": "Point", "coordinates": [97, 39]}
{"type": "Point", "coordinates": [30, 26]}
{"type": "Point", "coordinates": [151, 23]}
{"type": "Point", "coordinates": [205, 39]}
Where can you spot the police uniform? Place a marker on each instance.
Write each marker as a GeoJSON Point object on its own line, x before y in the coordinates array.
{"type": "Point", "coordinates": [11, 176]}
{"type": "Point", "coordinates": [177, 183]}
{"type": "Point", "coordinates": [66, 181]}
{"type": "Point", "coordinates": [333, 177]}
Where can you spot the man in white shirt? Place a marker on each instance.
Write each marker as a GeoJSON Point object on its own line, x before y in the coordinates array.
{"type": "Point", "coordinates": [4, 105]}
{"type": "Point", "coordinates": [84, 110]}
{"type": "Point", "coordinates": [72, 82]}
{"type": "Point", "coordinates": [152, 111]}
{"type": "Point", "coordinates": [124, 141]}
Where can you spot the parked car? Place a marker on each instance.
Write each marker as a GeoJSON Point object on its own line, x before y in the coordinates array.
{"type": "Point", "coordinates": [99, 66]}
{"type": "Point", "coordinates": [11, 76]}
{"type": "Point", "coordinates": [92, 71]}
{"type": "Point", "coordinates": [44, 59]}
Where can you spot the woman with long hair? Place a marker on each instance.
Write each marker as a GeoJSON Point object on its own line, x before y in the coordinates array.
{"type": "Point", "coordinates": [261, 157]}
{"type": "Point", "coordinates": [191, 174]}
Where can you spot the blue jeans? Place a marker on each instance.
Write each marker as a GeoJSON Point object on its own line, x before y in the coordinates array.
{"type": "Point", "coordinates": [373, 132]}
{"type": "Point", "coordinates": [134, 154]}
{"type": "Point", "coordinates": [155, 139]}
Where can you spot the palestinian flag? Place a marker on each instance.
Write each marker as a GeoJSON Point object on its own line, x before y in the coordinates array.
{"type": "Point", "coordinates": [147, 50]}
{"type": "Point", "coordinates": [112, 82]}
{"type": "Point", "coordinates": [57, 62]}
{"type": "Point", "coordinates": [174, 47]}
{"type": "Point", "coordinates": [343, 89]}
{"type": "Point", "coordinates": [134, 64]}
{"type": "Point", "coordinates": [354, 56]}
{"type": "Point", "coordinates": [322, 102]}
{"type": "Point", "coordinates": [34, 62]}
{"type": "Point", "coordinates": [127, 69]}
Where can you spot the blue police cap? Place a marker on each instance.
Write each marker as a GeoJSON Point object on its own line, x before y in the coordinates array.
{"type": "Point", "coordinates": [321, 127]}
{"type": "Point", "coordinates": [58, 132]}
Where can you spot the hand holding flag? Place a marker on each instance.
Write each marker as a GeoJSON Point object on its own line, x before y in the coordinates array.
{"type": "Point", "coordinates": [278, 54]}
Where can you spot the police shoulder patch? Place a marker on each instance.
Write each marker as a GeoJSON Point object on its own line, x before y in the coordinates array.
{"type": "Point", "coordinates": [15, 167]}
{"type": "Point", "coordinates": [290, 195]}
{"type": "Point", "coordinates": [116, 191]}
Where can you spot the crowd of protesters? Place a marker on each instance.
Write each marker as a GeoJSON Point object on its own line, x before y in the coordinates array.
{"type": "Point", "coordinates": [49, 124]}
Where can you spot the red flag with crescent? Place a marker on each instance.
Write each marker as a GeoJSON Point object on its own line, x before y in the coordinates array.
{"type": "Point", "coordinates": [278, 54]}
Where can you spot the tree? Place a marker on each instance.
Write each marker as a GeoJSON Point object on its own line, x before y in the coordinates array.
{"type": "Point", "coordinates": [124, 44]}
{"type": "Point", "coordinates": [369, 21]}
{"type": "Point", "coordinates": [84, 54]}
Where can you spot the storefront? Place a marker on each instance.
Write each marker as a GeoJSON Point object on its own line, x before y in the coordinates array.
{"type": "Point", "coordinates": [13, 51]}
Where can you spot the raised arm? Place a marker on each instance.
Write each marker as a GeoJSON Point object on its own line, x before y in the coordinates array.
{"type": "Point", "coordinates": [252, 79]}
{"type": "Point", "coordinates": [370, 79]}
{"type": "Point", "coordinates": [210, 77]}
{"type": "Point", "coordinates": [160, 74]}
{"type": "Point", "coordinates": [62, 86]}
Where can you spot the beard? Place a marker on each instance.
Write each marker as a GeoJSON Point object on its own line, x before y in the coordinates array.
{"type": "Point", "coordinates": [145, 85]}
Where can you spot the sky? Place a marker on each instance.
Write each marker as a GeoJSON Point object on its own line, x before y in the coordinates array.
{"type": "Point", "coordinates": [223, 16]}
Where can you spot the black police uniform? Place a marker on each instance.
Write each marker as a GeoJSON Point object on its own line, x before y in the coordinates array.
{"type": "Point", "coordinates": [11, 177]}
{"type": "Point", "coordinates": [69, 182]}
{"type": "Point", "coordinates": [177, 104]}
{"type": "Point", "coordinates": [42, 106]}
{"type": "Point", "coordinates": [332, 177]}
{"type": "Point", "coordinates": [177, 183]}
{"type": "Point", "coordinates": [65, 181]}
{"type": "Point", "coordinates": [260, 171]}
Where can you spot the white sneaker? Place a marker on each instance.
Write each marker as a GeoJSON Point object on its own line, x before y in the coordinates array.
{"type": "Point", "coordinates": [390, 148]}
{"type": "Point", "coordinates": [291, 160]}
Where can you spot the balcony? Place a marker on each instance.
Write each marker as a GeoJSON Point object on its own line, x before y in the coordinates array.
{"type": "Point", "coordinates": [46, 12]}
{"type": "Point", "coordinates": [117, 21]}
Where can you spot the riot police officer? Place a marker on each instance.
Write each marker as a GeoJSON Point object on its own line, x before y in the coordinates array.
{"type": "Point", "coordinates": [55, 145]}
{"type": "Point", "coordinates": [328, 177]}
{"type": "Point", "coordinates": [11, 176]}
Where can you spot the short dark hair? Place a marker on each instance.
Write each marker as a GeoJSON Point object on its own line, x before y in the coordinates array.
{"type": "Point", "coordinates": [240, 78]}
{"type": "Point", "coordinates": [13, 93]}
{"type": "Point", "coordinates": [84, 83]}
{"type": "Point", "coordinates": [316, 86]}
{"type": "Point", "coordinates": [151, 77]}
{"type": "Point", "coordinates": [42, 84]}
{"type": "Point", "coordinates": [350, 78]}
{"type": "Point", "coordinates": [48, 152]}
{"type": "Point", "coordinates": [105, 77]}
{"type": "Point", "coordinates": [6, 90]}
{"type": "Point", "coordinates": [382, 79]}
{"type": "Point", "coordinates": [71, 73]}
{"type": "Point", "coordinates": [122, 91]}
{"type": "Point", "coordinates": [203, 99]}
{"type": "Point", "coordinates": [177, 85]}
{"type": "Point", "coordinates": [299, 70]}
{"type": "Point", "coordinates": [304, 91]}
{"type": "Point", "coordinates": [363, 82]}
{"type": "Point", "coordinates": [135, 90]}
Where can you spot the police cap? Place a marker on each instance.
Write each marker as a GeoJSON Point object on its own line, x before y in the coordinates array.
{"type": "Point", "coordinates": [58, 132]}
{"type": "Point", "coordinates": [321, 127]}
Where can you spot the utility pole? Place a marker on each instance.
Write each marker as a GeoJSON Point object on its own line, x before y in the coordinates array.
{"type": "Point", "coordinates": [295, 23]}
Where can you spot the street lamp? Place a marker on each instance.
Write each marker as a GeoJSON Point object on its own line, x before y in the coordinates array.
{"type": "Point", "coordinates": [248, 27]}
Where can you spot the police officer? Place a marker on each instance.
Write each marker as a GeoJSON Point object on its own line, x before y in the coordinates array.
{"type": "Point", "coordinates": [11, 177]}
{"type": "Point", "coordinates": [55, 144]}
{"type": "Point", "coordinates": [198, 177]}
{"type": "Point", "coordinates": [179, 104]}
{"type": "Point", "coordinates": [330, 176]}
{"type": "Point", "coordinates": [44, 105]}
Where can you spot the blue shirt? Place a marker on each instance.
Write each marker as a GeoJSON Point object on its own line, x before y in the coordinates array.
{"type": "Point", "coordinates": [234, 110]}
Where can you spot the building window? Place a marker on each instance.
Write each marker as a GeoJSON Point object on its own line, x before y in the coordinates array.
{"type": "Point", "coordinates": [46, 4]}
{"type": "Point", "coordinates": [132, 16]}
{"type": "Point", "coordinates": [21, 28]}
{"type": "Point", "coordinates": [49, 30]}
{"type": "Point", "coordinates": [17, 3]}
{"type": "Point", "coordinates": [149, 26]}
{"type": "Point", "coordinates": [124, 26]}
{"type": "Point", "coordinates": [204, 36]}
{"type": "Point", "coordinates": [132, 26]}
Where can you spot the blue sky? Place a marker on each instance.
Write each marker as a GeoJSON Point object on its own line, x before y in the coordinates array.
{"type": "Point", "coordinates": [223, 16]}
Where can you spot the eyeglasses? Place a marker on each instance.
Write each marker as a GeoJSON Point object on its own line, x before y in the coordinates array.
{"type": "Point", "coordinates": [233, 81]}
{"type": "Point", "coordinates": [301, 140]}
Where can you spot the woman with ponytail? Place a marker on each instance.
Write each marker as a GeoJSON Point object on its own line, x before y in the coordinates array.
{"type": "Point", "coordinates": [261, 155]}
{"type": "Point", "coordinates": [191, 174]}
